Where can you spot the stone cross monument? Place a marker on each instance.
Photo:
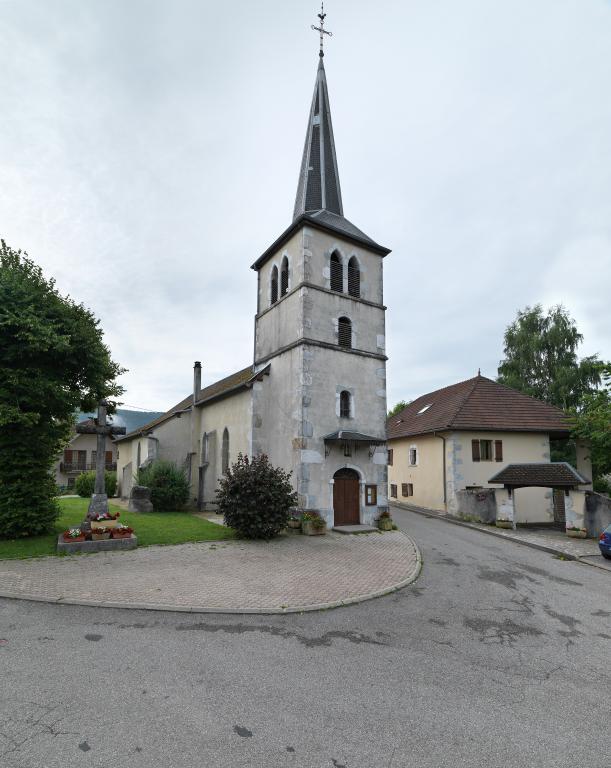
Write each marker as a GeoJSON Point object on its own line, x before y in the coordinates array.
{"type": "Point", "coordinates": [99, 499]}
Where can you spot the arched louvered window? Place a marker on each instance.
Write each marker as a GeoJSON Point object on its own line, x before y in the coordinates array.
{"type": "Point", "coordinates": [274, 287]}
{"type": "Point", "coordinates": [344, 332]}
{"type": "Point", "coordinates": [225, 451]}
{"type": "Point", "coordinates": [344, 404]}
{"type": "Point", "coordinates": [337, 273]}
{"type": "Point", "coordinates": [284, 277]}
{"type": "Point", "coordinates": [354, 278]}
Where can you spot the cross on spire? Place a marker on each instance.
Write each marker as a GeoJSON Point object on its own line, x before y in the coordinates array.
{"type": "Point", "coordinates": [322, 16]}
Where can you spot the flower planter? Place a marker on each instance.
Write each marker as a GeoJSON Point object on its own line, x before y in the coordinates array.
{"type": "Point", "coordinates": [73, 539]}
{"type": "Point", "coordinates": [385, 524]}
{"type": "Point", "coordinates": [97, 524]}
{"type": "Point", "coordinates": [100, 536]}
{"type": "Point", "coordinates": [504, 524]}
{"type": "Point", "coordinates": [295, 524]}
{"type": "Point", "coordinates": [117, 535]}
{"type": "Point", "coordinates": [579, 534]}
{"type": "Point", "coordinates": [309, 529]}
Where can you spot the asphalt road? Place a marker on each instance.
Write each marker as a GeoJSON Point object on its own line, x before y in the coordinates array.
{"type": "Point", "coordinates": [499, 655]}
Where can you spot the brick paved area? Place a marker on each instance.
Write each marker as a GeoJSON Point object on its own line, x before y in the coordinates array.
{"type": "Point", "coordinates": [291, 573]}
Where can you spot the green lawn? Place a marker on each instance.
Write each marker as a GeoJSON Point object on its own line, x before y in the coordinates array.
{"type": "Point", "coordinates": [150, 528]}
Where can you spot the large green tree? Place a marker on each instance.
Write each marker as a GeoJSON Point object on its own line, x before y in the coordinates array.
{"type": "Point", "coordinates": [592, 422]}
{"type": "Point", "coordinates": [53, 361]}
{"type": "Point", "coordinates": [541, 358]}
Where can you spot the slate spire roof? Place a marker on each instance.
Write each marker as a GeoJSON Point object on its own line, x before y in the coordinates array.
{"type": "Point", "coordinates": [318, 188]}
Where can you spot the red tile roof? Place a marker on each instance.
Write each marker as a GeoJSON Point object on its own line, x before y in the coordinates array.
{"type": "Point", "coordinates": [477, 404]}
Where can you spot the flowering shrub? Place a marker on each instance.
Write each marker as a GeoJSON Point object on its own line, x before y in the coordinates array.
{"type": "Point", "coordinates": [255, 498]}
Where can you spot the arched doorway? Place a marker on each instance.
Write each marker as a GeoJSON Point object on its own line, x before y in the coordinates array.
{"type": "Point", "coordinates": [346, 505]}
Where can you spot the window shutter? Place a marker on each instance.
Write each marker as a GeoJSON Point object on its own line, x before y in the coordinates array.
{"type": "Point", "coordinates": [475, 450]}
{"type": "Point", "coordinates": [337, 274]}
{"type": "Point", "coordinates": [108, 457]}
{"type": "Point", "coordinates": [344, 332]}
{"type": "Point", "coordinates": [393, 491]}
{"type": "Point", "coordinates": [498, 450]}
{"type": "Point", "coordinates": [404, 489]}
{"type": "Point", "coordinates": [390, 457]}
{"type": "Point", "coordinates": [354, 278]}
{"type": "Point", "coordinates": [284, 277]}
{"type": "Point", "coordinates": [410, 489]}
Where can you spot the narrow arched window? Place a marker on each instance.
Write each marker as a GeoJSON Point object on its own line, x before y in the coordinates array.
{"type": "Point", "coordinates": [284, 276]}
{"type": "Point", "coordinates": [344, 332]}
{"type": "Point", "coordinates": [354, 278]}
{"type": "Point", "coordinates": [337, 273]}
{"type": "Point", "coordinates": [225, 451]}
{"type": "Point", "coordinates": [274, 286]}
{"type": "Point", "coordinates": [344, 404]}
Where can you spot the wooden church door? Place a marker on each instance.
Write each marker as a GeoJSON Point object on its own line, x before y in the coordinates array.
{"type": "Point", "coordinates": [346, 503]}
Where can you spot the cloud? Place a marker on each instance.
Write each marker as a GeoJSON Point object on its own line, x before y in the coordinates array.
{"type": "Point", "coordinates": [150, 150]}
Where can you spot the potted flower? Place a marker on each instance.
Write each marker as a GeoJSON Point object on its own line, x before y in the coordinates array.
{"type": "Point", "coordinates": [74, 534]}
{"type": "Point", "coordinates": [100, 534]}
{"type": "Point", "coordinates": [294, 523]}
{"type": "Point", "coordinates": [502, 522]}
{"type": "Point", "coordinates": [575, 532]}
{"type": "Point", "coordinates": [312, 524]}
{"type": "Point", "coordinates": [385, 521]}
{"type": "Point", "coordinates": [105, 520]}
{"type": "Point", "coordinates": [122, 532]}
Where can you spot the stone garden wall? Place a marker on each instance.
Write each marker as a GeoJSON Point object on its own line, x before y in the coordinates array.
{"type": "Point", "coordinates": [479, 504]}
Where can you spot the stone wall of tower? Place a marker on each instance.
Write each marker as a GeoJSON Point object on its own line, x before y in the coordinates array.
{"type": "Point", "coordinates": [298, 403]}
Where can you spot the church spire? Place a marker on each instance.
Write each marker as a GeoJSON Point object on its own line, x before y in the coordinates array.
{"type": "Point", "coordinates": [318, 187]}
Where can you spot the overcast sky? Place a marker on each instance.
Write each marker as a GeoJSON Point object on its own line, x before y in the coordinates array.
{"type": "Point", "coordinates": [149, 153]}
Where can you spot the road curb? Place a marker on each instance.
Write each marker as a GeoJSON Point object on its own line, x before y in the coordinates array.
{"type": "Point", "coordinates": [416, 570]}
{"type": "Point", "coordinates": [493, 532]}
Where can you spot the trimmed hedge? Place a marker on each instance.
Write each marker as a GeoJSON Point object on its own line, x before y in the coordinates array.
{"type": "Point", "coordinates": [85, 483]}
{"type": "Point", "coordinates": [169, 486]}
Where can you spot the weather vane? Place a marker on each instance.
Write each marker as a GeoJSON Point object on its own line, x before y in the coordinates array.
{"type": "Point", "coordinates": [322, 15]}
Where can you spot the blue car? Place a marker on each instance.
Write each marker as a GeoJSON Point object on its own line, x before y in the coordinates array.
{"type": "Point", "coordinates": [605, 542]}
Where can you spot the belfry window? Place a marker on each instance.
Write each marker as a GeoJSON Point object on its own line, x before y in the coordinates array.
{"type": "Point", "coordinates": [284, 277]}
{"type": "Point", "coordinates": [337, 273]}
{"type": "Point", "coordinates": [354, 278]}
{"type": "Point", "coordinates": [344, 405]}
{"type": "Point", "coordinates": [344, 332]}
{"type": "Point", "coordinates": [225, 451]}
{"type": "Point", "coordinates": [274, 286]}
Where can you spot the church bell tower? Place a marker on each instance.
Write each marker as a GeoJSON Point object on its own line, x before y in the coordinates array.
{"type": "Point", "coordinates": [320, 336]}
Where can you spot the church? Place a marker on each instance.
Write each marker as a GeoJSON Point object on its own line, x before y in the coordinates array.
{"type": "Point", "coordinates": [314, 398]}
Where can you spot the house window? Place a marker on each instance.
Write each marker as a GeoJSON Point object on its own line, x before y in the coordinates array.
{"type": "Point", "coordinates": [393, 490]}
{"type": "Point", "coordinates": [274, 286]}
{"type": "Point", "coordinates": [354, 278]}
{"type": "Point", "coordinates": [371, 495]}
{"type": "Point", "coordinates": [481, 450]}
{"type": "Point", "coordinates": [407, 489]}
{"type": "Point", "coordinates": [344, 332]}
{"type": "Point", "coordinates": [225, 451]}
{"type": "Point", "coordinates": [389, 462]}
{"type": "Point", "coordinates": [284, 277]}
{"type": "Point", "coordinates": [344, 405]}
{"type": "Point", "coordinates": [337, 273]}
{"type": "Point", "coordinates": [413, 457]}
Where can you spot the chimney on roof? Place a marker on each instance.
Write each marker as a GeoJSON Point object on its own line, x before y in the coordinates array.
{"type": "Point", "coordinates": [197, 380]}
